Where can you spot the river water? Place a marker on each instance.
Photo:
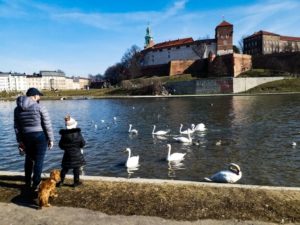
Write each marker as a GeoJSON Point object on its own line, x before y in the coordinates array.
{"type": "Point", "coordinates": [256, 132]}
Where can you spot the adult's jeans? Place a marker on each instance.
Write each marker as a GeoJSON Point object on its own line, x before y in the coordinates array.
{"type": "Point", "coordinates": [35, 148]}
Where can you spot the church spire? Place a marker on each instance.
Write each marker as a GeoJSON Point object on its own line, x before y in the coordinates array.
{"type": "Point", "coordinates": [148, 38]}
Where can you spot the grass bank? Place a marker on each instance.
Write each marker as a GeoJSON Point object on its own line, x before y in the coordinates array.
{"type": "Point", "coordinates": [150, 85]}
{"type": "Point", "coordinates": [264, 73]}
{"type": "Point", "coordinates": [171, 201]}
{"type": "Point", "coordinates": [280, 86]}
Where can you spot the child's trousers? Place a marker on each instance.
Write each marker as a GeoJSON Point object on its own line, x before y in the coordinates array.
{"type": "Point", "coordinates": [76, 172]}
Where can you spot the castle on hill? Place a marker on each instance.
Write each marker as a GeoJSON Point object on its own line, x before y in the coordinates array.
{"type": "Point", "coordinates": [188, 48]}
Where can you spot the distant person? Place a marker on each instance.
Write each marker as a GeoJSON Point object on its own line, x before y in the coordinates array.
{"type": "Point", "coordinates": [34, 134]}
{"type": "Point", "coordinates": [72, 143]}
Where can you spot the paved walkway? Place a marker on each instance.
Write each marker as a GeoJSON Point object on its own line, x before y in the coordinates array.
{"type": "Point", "coordinates": [12, 214]}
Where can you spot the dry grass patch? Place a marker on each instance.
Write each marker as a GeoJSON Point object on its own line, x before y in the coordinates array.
{"type": "Point", "coordinates": [179, 202]}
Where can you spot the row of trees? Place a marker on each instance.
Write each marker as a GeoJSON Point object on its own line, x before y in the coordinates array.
{"type": "Point", "coordinates": [128, 68]}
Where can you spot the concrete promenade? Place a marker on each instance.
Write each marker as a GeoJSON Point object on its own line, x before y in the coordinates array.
{"type": "Point", "coordinates": [12, 214]}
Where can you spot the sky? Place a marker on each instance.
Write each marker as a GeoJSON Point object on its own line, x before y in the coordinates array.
{"type": "Point", "coordinates": [86, 37]}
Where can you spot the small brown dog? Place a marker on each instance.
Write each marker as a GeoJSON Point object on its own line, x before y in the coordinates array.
{"type": "Point", "coordinates": [47, 189]}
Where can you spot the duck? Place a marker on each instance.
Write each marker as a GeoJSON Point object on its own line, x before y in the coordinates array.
{"type": "Point", "coordinates": [132, 161]}
{"type": "Point", "coordinates": [183, 139]}
{"type": "Point", "coordinates": [232, 175]}
{"type": "Point", "coordinates": [185, 131]}
{"type": "Point", "coordinates": [174, 156]}
{"type": "Point", "coordinates": [132, 131]}
{"type": "Point", "coordinates": [159, 132]}
{"type": "Point", "coordinates": [200, 127]}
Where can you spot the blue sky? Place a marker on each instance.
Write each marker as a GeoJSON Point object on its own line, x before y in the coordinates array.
{"type": "Point", "coordinates": [84, 37]}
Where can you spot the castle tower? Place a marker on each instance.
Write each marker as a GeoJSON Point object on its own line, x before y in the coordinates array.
{"type": "Point", "coordinates": [148, 38]}
{"type": "Point", "coordinates": [223, 36]}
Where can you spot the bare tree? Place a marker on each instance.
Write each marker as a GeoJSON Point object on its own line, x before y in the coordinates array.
{"type": "Point", "coordinates": [288, 47]}
{"type": "Point", "coordinates": [241, 44]}
{"type": "Point", "coordinates": [131, 60]}
{"type": "Point", "coordinates": [236, 49]}
{"type": "Point", "coordinates": [114, 74]}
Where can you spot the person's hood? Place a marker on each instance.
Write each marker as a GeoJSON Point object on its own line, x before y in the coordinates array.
{"type": "Point", "coordinates": [69, 131]}
{"type": "Point", "coordinates": [25, 102]}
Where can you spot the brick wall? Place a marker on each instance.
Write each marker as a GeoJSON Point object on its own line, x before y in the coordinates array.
{"type": "Point", "coordinates": [180, 66]}
{"type": "Point", "coordinates": [222, 66]}
{"type": "Point", "coordinates": [241, 63]}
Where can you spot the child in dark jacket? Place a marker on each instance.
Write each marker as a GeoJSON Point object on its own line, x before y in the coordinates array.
{"type": "Point", "coordinates": [71, 142]}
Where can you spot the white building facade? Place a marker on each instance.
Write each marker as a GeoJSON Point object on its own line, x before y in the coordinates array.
{"type": "Point", "coordinates": [187, 48]}
{"type": "Point", "coordinates": [45, 80]}
{"type": "Point", "coordinates": [13, 82]}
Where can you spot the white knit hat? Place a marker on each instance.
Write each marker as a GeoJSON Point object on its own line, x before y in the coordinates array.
{"type": "Point", "coordinates": [70, 122]}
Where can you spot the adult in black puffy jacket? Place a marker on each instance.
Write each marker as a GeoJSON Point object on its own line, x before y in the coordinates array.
{"type": "Point", "coordinates": [71, 142]}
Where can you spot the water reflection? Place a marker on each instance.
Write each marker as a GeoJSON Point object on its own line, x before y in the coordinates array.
{"type": "Point", "coordinates": [256, 132]}
{"type": "Point", "coordinates": [131, 170]}
{"type": "Point", "coordinates": [173, 167]}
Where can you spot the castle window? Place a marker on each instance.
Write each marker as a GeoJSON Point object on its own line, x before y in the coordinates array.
{"type": "Point", "coordinates": [178, 47]}
{"type": "Point", "coordinates": [187, 46]}
{"type": "Point", "coordinates": [169, 48]}
{"type": "Point", "coordinates": [160, 50]}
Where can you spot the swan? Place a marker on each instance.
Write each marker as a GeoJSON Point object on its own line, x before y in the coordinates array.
{"type": "Point", "coordinates": [185, 131]}
{"type": "Point", "coordinates": [294, 143]}
{"type": "Point", "coordinates": [184, 139]}
{"type": "Point", "coordinates": [200, 127]}
{"type": "Point", "coordinates": [159, 132]}
{"type": "Point", "coordinates": [232, 175]}
{"type": "Point", "coordinates": [132, 161]}
{"type": "Point", "coordinates": [174, 156]}
{"type": "Point", "coordinates": [219, 142]}
{"type": "Point", "coordinates": [132, 131]}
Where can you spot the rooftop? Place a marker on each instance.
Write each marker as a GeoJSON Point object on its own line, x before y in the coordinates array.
{"type": "Point", "coordinates": [283, 38]}
{"type": "Point", "coordinates": [224, 24]}
{"type": "Point", "coordinates": [173, 43]}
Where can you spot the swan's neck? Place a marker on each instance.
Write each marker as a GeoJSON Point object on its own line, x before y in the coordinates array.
{"type": "Point", "coordinates": [129, 153]}
{"type": "Point", "coordinates": [129, 128]}
{"type": "Point", "coordinates": [169, 151]}
{"type": "Point", "coordinates": [180, 128]}
{"type": "Point", "coordinates": [153, 129]}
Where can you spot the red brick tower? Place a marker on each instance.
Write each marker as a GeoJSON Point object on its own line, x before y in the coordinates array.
{"type": "Point", "coordinates": [223, 36]}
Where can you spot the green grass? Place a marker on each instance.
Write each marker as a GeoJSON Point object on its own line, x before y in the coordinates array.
{"type": "Point", "coordinates": [264, 73]}
{"type": "Point", "coordinates": [91, 92]}
{"type": "Point", "coordinates": [9, 94]}
{"type": "Point", "coordinates": [286, 85]}
{"type": "Point", "coordinates": [163, 79]}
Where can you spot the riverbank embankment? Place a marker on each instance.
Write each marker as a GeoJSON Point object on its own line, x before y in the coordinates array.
{"type": "Point", "coordinates": [168, 199]}
{"type": "Point", "coordinates": [151, 96]}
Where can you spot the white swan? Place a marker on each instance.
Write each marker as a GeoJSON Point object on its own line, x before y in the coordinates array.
{"type": "Point", "coordinates": [183, 139]}
{"type": "Point", "coordinates": [132, 161]}
{"type": "Point", "coordinates": [132, 131]}
{"type": "Point", "coordinates": [159, 132]}
{"type": "Point", "coordinates": [174, 156]}
{"type": "Point", "coordinates": [200, 127]}
{"type": "Point", "coordinates": [185, 131]}
{"type": "Point", "coordinates": [232, 175]}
